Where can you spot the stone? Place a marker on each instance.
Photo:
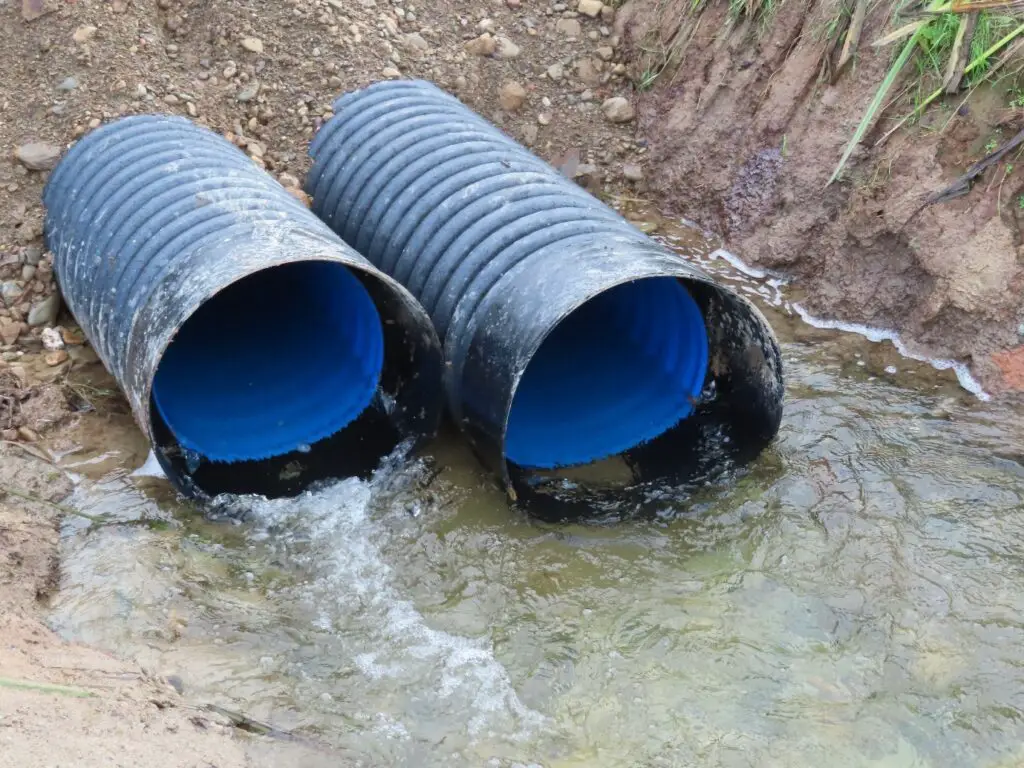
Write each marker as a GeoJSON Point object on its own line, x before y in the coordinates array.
{"type": "Point", "coordinates": [171, 99]}
{"type": "Point", "coordinates": [588, 73]}
{"type": "Point", "coordinates": [569, 27]}
{"type": "Point", "coordinates": [33, 255]}
{"type": "Point", "coordinates": [52, 339]}
{"type": "Point", "coordinates": [506, 49]}
{"type": "Point", "coordinates": [591, 8]}
{"type": "Point", "coordinates": [544, 118]}
{"type": "Point", "coordinates": [512, 96]}
{"type": "Point", "coordinates": [38, 156]}
{"type": "Point", "coordinates": [10, 330]}
{"type": "Point", "coordinates": [84, 34]}
{"type": "Point", "coordinates": [556, 71]}
{"type": "Point", "coordinates": [633, 172]}
{"type": "Point", "coordinates": [618, 110]}
{"type": "Point", "coordinates": [530, 134]}
{"type": "Point", "coordinates": [28, 272]}
{"type": "Point", "coordinates": [252, 44]}
{"type": "Point", "coordinates": [28, 434]}
{"type": "Point", "coordinates": [608, 14]}
{"type": "Point", "coordinates": [415, 43]}
{"type": "Point", "coordinates": [390, 73]}
{"type": "Point", "coordinates": [249, 92]}
{"type": "Point", "coordinates": [56, 357]}
{"type": "Point", "coordinates": [289, 180]}
{"type": "Point", "coordinates": [486, 25]}
{"type": "Point", "coordinates": [484, 45]}
{"type": "Point", "coordinates": [45, 311]}
{"type": "Point", "coordinates": [605, 53]}
{"type": "Point", "coordinates": [67, 84]}
{"type": "Point", "coordinates": [10, 292]}
{"type": "Point", "coordinates": [230, 70]}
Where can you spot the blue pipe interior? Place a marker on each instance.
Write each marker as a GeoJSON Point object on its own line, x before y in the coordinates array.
{"type": "Point", "coordinates": [619, 371]}
{"type": "Point", "coordinates": [272, 364]}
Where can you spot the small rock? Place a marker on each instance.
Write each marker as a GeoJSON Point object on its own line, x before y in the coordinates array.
{"type": "Point", "coordinates": [506, 49]}
{"type": "Point", "coordinates": [33, 255]}
{"type": "Point", "coordinates": [390, 73]}
{"type": "Point", "coordinates": [28, 435]}
{"type": "Point", "coordinates": [10, 292]}
{"type": "Point", "coordinates": [530, 134]}
{"type": "Point", "coordinates": [633, 172]}
{"type": "Point", "coordinates": [120, 6]}
{"type": "Point", "coordinates": [556, 71]}
{"type": "Point", "coordinates": [249, 92]}
{"type": "Point", "coordinates": [544, 118]}
{"type": "Point", "coordinates": [230, 70]}
{"type": "Point", "coordinates": [605, 53]}
{"type": "Point", "coordinates": [486, 25]}
{"type": "Point", "coordinates": [171, 99]}
{"type": "Point", "coordinates": [618, 110]}
{"type": "Point", "coordinates": [484, 45]}
{"type": "Point", "coordinates": [52, 340]}
{"type": "Point", "coordinates": [71, 336]}
{"type": "Point", "coordinates": [569, 27]}
{"type": "Point", "coordinates": [10, 330]}
{"type": "Point", "coordinates": [607, 14]}
{"type": "Point", "coordinates": [28, 272]}
{"type": "Point", "coordinates": [67, 84]}
{"type": "Point", "coordinates": [512, 96]}
{"type": "Point", "coordinates": [587, 95]}
{"type": "Point", "coordinates": [56, 357]}
{"type": "Point", "coordinates": [84, 34]}
{"type": "Point", "coordinates": [191, 109]}
{"type": "Point", "coordinates": [45, 311]}
{"type": "Point", "coordinates": [252, 44]}
{"type": "Point", "coordinates": [288, 180]}
{"type": "Point", "coordinates": [415, 42]}
{"type": "Point", "coordinates": [38, 156]}
{"type": "Point", "coordinates": [591, 8]}
{"type": "Point", "coordinates": [176, 683]}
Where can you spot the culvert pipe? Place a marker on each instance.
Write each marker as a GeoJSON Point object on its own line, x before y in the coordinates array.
{"type": "Point", "coordinates": [569, 336]}
{"type": "Point", "coordinates": [259, 353]}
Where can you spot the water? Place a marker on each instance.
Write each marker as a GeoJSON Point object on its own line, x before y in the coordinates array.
{"type": "Point", "coordinates": [856, 598]}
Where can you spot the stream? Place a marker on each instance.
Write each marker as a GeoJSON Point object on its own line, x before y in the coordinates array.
{"type": "Point", "coordinates": [853, 598]}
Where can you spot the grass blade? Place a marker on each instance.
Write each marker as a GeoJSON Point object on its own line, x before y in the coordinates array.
{"type": "Point", "coordinates": [876, 102]}
{"type": "Point", "coordinates": [895, 36]}
{"type": "Point", "coordinates": [976, 62]}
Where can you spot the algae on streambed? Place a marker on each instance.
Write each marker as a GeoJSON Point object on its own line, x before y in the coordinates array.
{"type": "Point", "coordinates": [851, 599]}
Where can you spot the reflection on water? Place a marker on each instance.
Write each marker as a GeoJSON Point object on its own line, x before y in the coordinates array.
{"type": "Point", "coordinates": [853, 599]}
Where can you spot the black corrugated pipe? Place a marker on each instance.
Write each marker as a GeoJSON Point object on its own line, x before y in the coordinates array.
{"type": "Point", "coordinates": [259, 353]}
{"type": "Point", "coordinates": [569, 336]}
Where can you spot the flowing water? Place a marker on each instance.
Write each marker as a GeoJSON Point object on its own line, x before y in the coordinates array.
{"type": "Point", "coordinates": [855, 598]}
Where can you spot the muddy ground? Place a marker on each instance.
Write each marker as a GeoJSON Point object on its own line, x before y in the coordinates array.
{"type": "Point", "coordinates": [741, 140]}
{"type": "Point", "coordinates": [746, 127]}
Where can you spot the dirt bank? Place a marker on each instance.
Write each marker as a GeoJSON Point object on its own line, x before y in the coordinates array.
{"type": "Point", "coordinates": [746, 128]}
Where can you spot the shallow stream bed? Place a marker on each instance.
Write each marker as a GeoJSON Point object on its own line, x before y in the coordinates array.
{"type": "Point", "coordinates": [855, 598]}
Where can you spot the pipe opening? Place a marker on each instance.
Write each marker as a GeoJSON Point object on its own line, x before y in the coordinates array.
{"type": "Point", "coordinates": [271, 365]}
{"type": "Point", "coordinates": [622, 369]}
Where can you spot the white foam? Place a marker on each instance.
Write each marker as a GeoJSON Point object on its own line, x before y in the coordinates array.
{"type": "Point", "coordinates": [963, 373]}
{"type": "Point", "coordinates": [333, 534]}
{"type": "Point", "coordinates": [151, 468]}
